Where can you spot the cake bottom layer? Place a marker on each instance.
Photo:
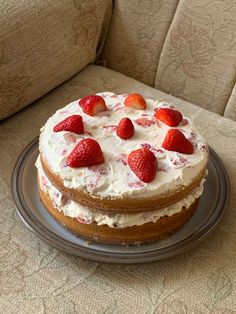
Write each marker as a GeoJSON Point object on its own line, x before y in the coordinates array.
{"type": "Point", "coordinates": [148, 232]}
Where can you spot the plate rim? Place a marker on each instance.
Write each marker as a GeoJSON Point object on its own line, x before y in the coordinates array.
{"type": "Point", "coordinates": [62, 244]}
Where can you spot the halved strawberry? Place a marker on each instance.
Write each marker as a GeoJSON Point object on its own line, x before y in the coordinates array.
{"type": "Point", "coordinates": [143, 163]}
{"type": "Point", "coordinates": [169, 116]}
{"type": "Point", "coordinates": [135, 101]}
{"type": "Point", "coordinates": [73, 124]}
{"type": "Point", "coordinates": [86, 153]}
{"type": "Point", "coordinates": [177, 142]}
{"type": "Point", "coordinates": [125, 129]}
{"type": "Point", "coordinates": [92, 104]}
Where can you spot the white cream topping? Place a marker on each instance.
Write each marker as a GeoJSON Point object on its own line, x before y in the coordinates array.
{"type": "Point", "coordinates": [114, 178]}
{"type": "Point", "coordinates": [87, 216]}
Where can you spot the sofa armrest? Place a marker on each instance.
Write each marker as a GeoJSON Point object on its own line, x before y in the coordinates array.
{"type": "Point", "coordinates": [44, 43]}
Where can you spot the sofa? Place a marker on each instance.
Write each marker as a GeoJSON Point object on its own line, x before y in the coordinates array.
{"type": "Point", "coordinates": [53, 52]}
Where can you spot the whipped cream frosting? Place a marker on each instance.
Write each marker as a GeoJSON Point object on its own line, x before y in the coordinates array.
{"type": "Point", "coordinates": [114, 178]}
{"type": "Point", "coordinates": [87, 216]}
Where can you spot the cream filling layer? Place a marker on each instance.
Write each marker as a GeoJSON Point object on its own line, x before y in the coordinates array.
{"type": "Point", "coordinates": [114, 178]}
{"type": "Point", "coordinates": [87, 216]}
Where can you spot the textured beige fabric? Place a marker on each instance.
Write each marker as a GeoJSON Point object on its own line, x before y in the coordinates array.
{"type": "Point", "coordinates": [35, 278]}
{"type": "Point", "coordinates": [198, 60]}
{"type": "Point", "coordinates": [136, 36]}
{"type": "Point", "coordinates": [230, 110]}
{"type": "Point", "coordinates": [43, 43]}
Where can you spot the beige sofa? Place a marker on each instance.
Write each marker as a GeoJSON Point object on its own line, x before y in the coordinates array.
{"type": "Point", "coordinates": [52, 52]}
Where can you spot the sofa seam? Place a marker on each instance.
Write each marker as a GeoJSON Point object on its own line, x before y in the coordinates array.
{"type": "Point", "coordinates": [167, 33]}
{"type": "Point", "coordinates": [227, 102]}
{"type": "Point", "coordinates": [102, 45]}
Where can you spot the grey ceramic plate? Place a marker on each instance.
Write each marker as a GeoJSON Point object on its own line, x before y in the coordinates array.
{"type": "Point", "coordinates": [211, 208]}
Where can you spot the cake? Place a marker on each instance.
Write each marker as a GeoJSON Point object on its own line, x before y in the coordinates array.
{"type": "Point", "coordinates": [120, 168]}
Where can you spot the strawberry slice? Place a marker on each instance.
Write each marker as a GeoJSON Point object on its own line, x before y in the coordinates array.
{"type": "Point", "coordinates": [86, 153]}
{"type": "Point", "coordinates": [125, 129]}
{"type": "Point", "coordinates": [169, 116]}
{"type": "Point", "coordinates": [177, 142]}
{"type": "Point", "coordinates": [145, 122]}
{"type": "Point", "coordinates": [135, 101]}
{"type": "Point", "coordinates": [143, 163]}
{"type": "Point", "coordinates": [92, 104]}
{"type": "Point", "coordinates": [73, 124]}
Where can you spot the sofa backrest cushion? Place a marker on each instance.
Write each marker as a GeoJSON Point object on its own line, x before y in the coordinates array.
{"type": "Point", "coordinates": [136, 36]}
{"type": "Point", "coordinates": [185, 48]}
{"type": "Point", "coordinates": [44, 43]}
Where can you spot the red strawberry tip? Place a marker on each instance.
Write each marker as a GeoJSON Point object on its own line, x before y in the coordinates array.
{"type": "Point", "coordinates": [86, 153]}
{"type": "Point", "coordinates": [72, 123]}
{"type": "Point", "coordinates": [135, 101]}
{"type": "Point", "coordinates": [143, 163]}
{"type": "Point", "coordinates": [169, 116]}
{"type": "Point", "coordinates": [176, 141]}
{"type": "Point", "coordinates": [125, 129]}
{"type": "Point", "coordinates": [92, 104]}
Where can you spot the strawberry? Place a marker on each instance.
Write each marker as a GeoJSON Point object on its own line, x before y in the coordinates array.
{"type": "Point", "coordinates": [86, 153]}
{"type": "Point", "coordinates": [73, 124]}
{"type": "Point", "coordinates": [143, 163]}
{"type": "Point", "coordinates": [145, 122]}
{"type": "Point", "coordinates": [169, 116]}
{"type": "Point", "coordinates": [92, 104]}
{"type": "Point", "coordinates": [135, 101]}
{"type": "Point", "coordinates": [125, 129]}
{"type": "Point", "coordinates": [177, 142]}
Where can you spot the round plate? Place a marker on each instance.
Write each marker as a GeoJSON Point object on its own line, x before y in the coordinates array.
{"type": "Point", "coordinates": [212, 205]}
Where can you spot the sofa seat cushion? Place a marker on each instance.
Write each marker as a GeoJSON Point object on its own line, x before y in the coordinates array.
{"type": "Point", "coordinates": [38, 276]}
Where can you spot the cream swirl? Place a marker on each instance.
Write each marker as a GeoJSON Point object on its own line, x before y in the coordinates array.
{"type": "Point", "coordinates": [114, 178]}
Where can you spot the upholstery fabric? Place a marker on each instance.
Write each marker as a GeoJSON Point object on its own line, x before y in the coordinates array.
{"type": "Point", "coordinates": [230, 110]}
{"type": "Point", "coordinates": [44, 43]}
{"type": "Point", "coordinates": [136, 36]}
{"type": "Point", "coordinates": [36, 278]}
{"type": "Point", "coordinates": [198, 60]}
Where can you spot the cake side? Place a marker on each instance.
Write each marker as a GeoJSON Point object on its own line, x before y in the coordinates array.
{"type": "Point", "coordinates": [112, 219]}
{"type": "Point", "coordinates": [148, 232]}
{"type": "Point", "coordinates": [122, 205]}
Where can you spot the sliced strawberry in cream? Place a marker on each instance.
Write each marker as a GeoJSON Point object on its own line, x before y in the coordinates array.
{"type": "Point", "coordinates": [145, 122]}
